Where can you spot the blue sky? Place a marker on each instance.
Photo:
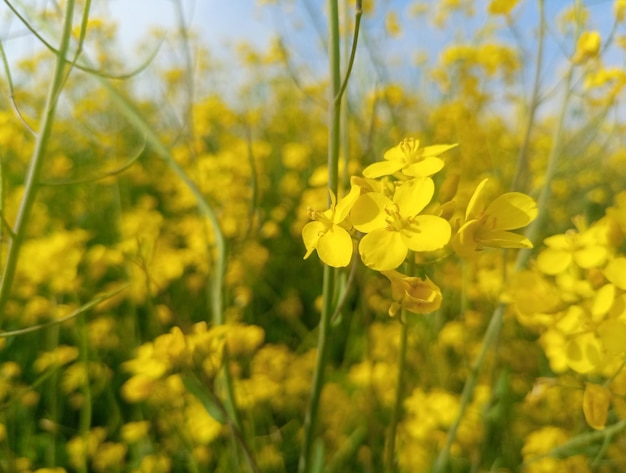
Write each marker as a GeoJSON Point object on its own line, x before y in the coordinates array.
{"type": "Point", "coordinates": [222, 24]}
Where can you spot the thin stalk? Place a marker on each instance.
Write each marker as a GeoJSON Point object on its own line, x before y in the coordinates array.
{"type": "Point", "coordinates": [532, 232]}
{"type": "Point", "coordinates": [522, 168]}
{"type": "Point", "coordinates": [493, 329]}
{"type": "Point", "coordinates": [390, 453]}
{"type": "Point", "coordinates": [310, 419]}
{"type": "Point", "coordinates": [491, 336]}
{"type": "Point", "coordinates": [328, 285]}
{"type": "Point", "coordinates": [86, 409]}
{"type": "Point", "coordinates": [31, 186]}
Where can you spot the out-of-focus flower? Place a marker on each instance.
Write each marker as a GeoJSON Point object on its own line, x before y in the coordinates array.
{"type": "Point", "coordinates": [501, 7]}
{"type": "Point", "coordinates": [588, 47]}
{"type": "Point", "coordinates": [596, 400]}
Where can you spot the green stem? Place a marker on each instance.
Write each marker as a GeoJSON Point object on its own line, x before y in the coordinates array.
{"type": "Point", "coordinates": [390, 455]}
{"type": "Point", "coordinates": [86, 409]}
{"type": "Point", "coordinates": [522, 169]}
{"type": "Point", "coordinates": [310, 419]}
{"type": "Point", "coordinates": [491, 336]}
{"type": "Point", "coordinates": [532, 231]}
{"type": "Point", "coordinates": [328, 292]}
{"type": "Point", "coordinates": [41, 145]}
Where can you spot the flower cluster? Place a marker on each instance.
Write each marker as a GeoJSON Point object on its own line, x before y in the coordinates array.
{"type": "Point", "coordinates": [575, 297]}
{"type": "Point", "coordinates": [391, 212]}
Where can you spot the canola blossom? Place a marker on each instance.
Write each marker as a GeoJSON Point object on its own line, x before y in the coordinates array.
{"type": "Point", "coordinates": [410, 159]}
{"type": "Point", "coordinates": [489, 225]}
{"type": "Point", "coordinates": [395, 226]}
{"type": "Point", "coordinates": [328, 234]}
{"type": "Point", "coordinates": [414, 294]}
{"type": "Point", "coordinates": [145, 287]}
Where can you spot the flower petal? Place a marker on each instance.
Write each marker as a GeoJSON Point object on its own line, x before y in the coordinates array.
{"type": "Point", "coordinates": [368, 212]}
{"type": "Point", "coordinates": [552, 261]}
{"type": "Point", "coordinates": [477, 202]}
{"type": "Point", "coordinates": [512, 210]}
{"type": "Point", "coordinates": [382, 250]}
{"type": "Point", "coordinates": [425, 167]}
{"type": "Point", "coordinates": [432, 233]}
{"type": "Point", "coordinates": [343, 207]}
{"type": "Point", "coordinates": [464, 242]}
{"type": "Point", "coordinates": [413, 195]}
{"type": "Point", "coordinates": [615, 272]}
{"type": "Point", "coordinates": [382, 168]}
{"type": "Point", "coordinates": [502, 239]}
{"type": "Point", "coordinates": [311, 236]}
{"type": "Point", "coordinates": [436, 150]}
{"type": "Point", "coordinates": [335, 247]}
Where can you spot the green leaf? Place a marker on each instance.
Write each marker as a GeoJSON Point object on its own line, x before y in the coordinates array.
{"type": "Point", "coordinates": [208, 400]}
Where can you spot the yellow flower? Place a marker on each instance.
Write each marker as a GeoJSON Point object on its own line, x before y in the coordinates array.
{"type": "Point", "coordinates": [417, 295]}
{"type": "Point", "coordinates": [596, 400]}
{"type": "Point", "coordinates": [586, 248]}
{"type": "Point", "coordinates": [619, 9]}
{"type": "Point", "coordinates": [326, 233]}
{"type": "Point", "coordinates": [409, 158]}
{"type": "Point", "coordinates": [501, 7]}
{"type": "Point", "coordinates": [394, 227]}
{"type": "Point", "coordinates": [588, 46]}
{"type": "Point", "coordinates": [487, 226]}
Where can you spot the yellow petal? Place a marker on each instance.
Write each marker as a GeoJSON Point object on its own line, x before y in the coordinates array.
{"type": "Point", "coordinates": [335, 247]}
{"type": "Point", "coordinates": [512, 210]}
{"type": "Point", "coordinates": [382, 168]}
{"type": "Point", "coordinates": [559, 242]}
{"type": "Point", "coordinates": [477, 202]}
{"type": "Point", "coordinates": [382, 250]}
{"type": "Point", "coordinates": [413, 195]}
{"type": "Point", "coordinates": [584, 353]}
{"type": "Point", "coordinates": [501, 7]}
{"type": "Point", "coordinates": [311, 235]}
{"type": "Point", "coordinates": [502, 239]}
{"type": "Point", "coordinates": [612, 332]}
{"type": "Point", "coordinates": [432, 233]}
{"type": "Point", "coordinates": [424, 168]}
{"type": "Point", "coordinates": [551, 261]}
{"type": "Point", "coordinates": [436, 150]}
{"type": "Point", "coordinates": [590, 256]}
{"type": "Point", "coordinates": [343, 207]}
{"type": "Point", "coordinates": [602, 302]}
{"type": "Point", "coordinates": [464, 242]}
{"type": "Point", "coordinates": [596, 400]}
{"type": "Point", "coordinates": [588, 46]}
{"type": "Point", "coordinates": [615, 272]}
{"type": "Point", "coordinates": [368, 212]}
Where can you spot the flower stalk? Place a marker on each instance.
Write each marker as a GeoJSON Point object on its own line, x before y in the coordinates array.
{"type": "Point", "coordinates": [31, 186]}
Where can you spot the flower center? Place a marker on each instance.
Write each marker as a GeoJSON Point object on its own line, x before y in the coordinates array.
{"type": "Point", "coordinates": [410, 148]}
{"type": "Point", "coordinates": [396, 222]}
{"type": "Point", "coordinates": [320, 216]}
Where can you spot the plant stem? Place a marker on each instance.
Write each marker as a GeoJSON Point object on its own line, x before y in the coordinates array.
{"type": "Point", "coordinates": [32, 179]}
{"type": "Point", "coordinates": [328, 291]}
{"type": "Point", "coordinates": [390, 456]}
{"type": "Point", "coordinates": [522, 169]}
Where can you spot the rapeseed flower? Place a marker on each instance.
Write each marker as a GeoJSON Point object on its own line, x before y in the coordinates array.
{"type": "Point", "coordinates": [596, 401]}
{"type": "Point", "coordinates": [328, 233]}
{"type": "Point", "coordinates": [587, 47]}
{"type": "Point", "coordinates": [394, 227]}
{"type": "Point", "coordinates": [417, 295]}
{"type": "Point", "coordinates": [487, 226]}
{"type": "Point", "coordinates": [409, 158]}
